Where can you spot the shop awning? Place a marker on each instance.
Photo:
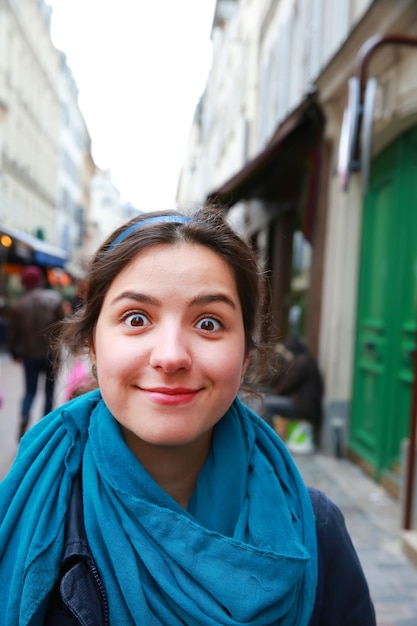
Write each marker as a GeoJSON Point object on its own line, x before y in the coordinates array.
{"type": "Point", "coordinates": [275, 174]}
{"type": "Point", "coordinates": [43, 253]}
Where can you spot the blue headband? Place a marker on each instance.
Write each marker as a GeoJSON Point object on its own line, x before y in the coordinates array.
{"type": "Point", "coordinates": [156, 219]}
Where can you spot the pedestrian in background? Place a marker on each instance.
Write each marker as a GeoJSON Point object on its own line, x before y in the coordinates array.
{"type": "Point", "coordinates": [31, 318]}
{"type": "Point", "coordinates": [160, 498]}
{"type": "Point", "coordinates": [294, 395]}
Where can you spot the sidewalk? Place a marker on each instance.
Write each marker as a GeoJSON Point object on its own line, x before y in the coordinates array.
{"type": "Point", "coordinates": [372, 516]}
{"type": "Point", "coordinates": [373, 519]}
{"type": "Point", "coordinates": [11, 383]}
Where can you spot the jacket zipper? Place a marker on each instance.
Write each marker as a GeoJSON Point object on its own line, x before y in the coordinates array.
{"type": "Point", "coordinates": [105, 604]}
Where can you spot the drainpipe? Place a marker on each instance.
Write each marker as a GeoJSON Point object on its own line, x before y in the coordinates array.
{"type": "Point", "coordinates": [409, 486]}
{"type": "Point", "coordinates": [363, 59]}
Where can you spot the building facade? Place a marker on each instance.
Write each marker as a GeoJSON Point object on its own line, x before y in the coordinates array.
{"type": "Point", "coordinates": [46, 164]}
{"type": "Point", "coordinates": [107, 210]}
{"type": "Point", "coordinates": [307, 130]}
{"type": "Point", "coordinates": [30, 109]}
{"type": "Point", "coordinates": [76, 171]}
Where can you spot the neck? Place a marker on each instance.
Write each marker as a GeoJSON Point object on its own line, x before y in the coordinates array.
{"type": "Point", "coordinates": [175, 469]}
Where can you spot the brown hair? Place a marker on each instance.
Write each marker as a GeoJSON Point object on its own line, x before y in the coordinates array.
{"type": "Point", "coordinates": [207, 227]}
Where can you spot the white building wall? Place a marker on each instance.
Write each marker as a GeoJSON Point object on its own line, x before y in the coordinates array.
{"type": "Point", "coordinates": [28, 93]}
{"type": "Point", "coordinates": [267, 55]}
{"type": "Point", "coordinates": [74, 145]}
{"type": "Point", "coordinates": [228, 102]}
{"type": "Point", "coordinates": [188, 190]}
{"type": "Point", "coordinates": [107, 210]}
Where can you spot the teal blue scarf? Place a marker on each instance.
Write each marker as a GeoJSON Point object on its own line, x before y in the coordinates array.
{"type": "Point", "coordinates": [243, 553]}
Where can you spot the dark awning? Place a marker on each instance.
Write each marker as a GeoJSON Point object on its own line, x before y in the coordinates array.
{"type": "Point", "coordinates": [274, 175]}
{"type": "Point", "coordinates": [43, 253]}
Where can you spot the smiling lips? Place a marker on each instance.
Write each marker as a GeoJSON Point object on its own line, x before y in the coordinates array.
{"type": "Point", "coordinates": [171, 396]}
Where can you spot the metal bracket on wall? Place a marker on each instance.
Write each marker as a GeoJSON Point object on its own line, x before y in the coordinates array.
{"type": "Point", "coordinates": [356, 135]}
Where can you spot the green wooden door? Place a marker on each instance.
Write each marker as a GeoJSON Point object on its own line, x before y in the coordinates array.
{"type": "Point", "coordinates": [386, 318]}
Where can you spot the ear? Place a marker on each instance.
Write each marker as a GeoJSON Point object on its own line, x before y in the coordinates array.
{"type": "Point", "coordinates": [246, 362]}
{"type": "Point", "coordinates": [92, 351]}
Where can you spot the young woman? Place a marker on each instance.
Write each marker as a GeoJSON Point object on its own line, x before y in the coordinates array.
{"type": "Point", "coordinates": [159, 498]}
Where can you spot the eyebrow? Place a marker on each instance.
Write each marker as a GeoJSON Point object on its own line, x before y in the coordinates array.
{"type": "Point", "coordinates": [196, 301]}
{"type": "Point", "coordinates": [139, 297]}
{"type": "Point", "coordinates": [212, 297]}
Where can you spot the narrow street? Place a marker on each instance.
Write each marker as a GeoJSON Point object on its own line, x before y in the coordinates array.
{"type": "Point", "coordinates": [372, 516]}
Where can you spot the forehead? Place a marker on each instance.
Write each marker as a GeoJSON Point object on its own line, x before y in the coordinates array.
{"type": "Point", "coordinates": [182, 264]}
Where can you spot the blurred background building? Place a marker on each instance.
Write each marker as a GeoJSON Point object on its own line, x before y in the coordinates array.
{"type": "Point", "coordinates": [107, 210]}
{"type": "Point", "coordinates": [307, 135]}
{"type": "Point", "coordinates": [76, 170]}
{"type": "Point", "coordinates": [29, 128]}
{"type": "Point", "coordinates": [47, 171]}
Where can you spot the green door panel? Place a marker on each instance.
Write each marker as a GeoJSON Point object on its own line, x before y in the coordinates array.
{"type": "Point", "coordinates": [404, 308]}
{"type": "Point", "coordinates": [386, 315]}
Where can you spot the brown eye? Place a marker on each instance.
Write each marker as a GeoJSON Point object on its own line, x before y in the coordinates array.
{"type": "Point", "coordinates": [209, 324]}
{"type": "Point", "coordinates": [136, 320]}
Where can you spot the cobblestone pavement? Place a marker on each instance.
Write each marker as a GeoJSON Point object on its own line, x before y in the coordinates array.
{"type": "Point", "coordinates": [372, 516]}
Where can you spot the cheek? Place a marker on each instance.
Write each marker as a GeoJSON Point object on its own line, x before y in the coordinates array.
{"type": "Point", "coordinates": [120, 361]}
{"type": "Point", "coordinates": [115, 363]}
{"type": "Point", "coordinates": [231, 367]}
{"type": "Point", "coordinates": [109, 356]}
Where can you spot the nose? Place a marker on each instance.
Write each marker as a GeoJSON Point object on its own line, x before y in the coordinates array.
{"type": "Point", "coordinates": [170, 351]}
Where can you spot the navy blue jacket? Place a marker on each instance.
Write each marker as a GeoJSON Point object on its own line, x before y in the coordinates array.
{"type": "Point", "coordinates": [342, 597]}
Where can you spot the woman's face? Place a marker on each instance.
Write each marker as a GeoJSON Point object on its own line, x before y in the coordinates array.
{"type": "Point", "coordinates": [169, 345]}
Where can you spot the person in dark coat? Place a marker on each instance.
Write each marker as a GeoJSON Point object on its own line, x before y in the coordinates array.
{"type": "Point", "coordinates": [296, 392]}
{"type": "Point", "coordinates": [31, 317]}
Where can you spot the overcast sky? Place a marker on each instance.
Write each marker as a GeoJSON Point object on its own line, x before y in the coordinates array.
{"type": "Point", "coordinates": [141, 67]}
